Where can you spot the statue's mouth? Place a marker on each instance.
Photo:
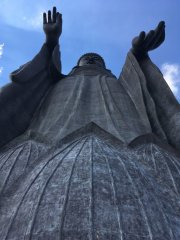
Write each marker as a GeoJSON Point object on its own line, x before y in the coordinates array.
{"type": "Point", "coordinates": [90, 62]}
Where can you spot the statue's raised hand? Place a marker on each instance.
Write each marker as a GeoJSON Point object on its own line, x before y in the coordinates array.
{"type": "Point", "coordinates": [144, 43]}
{"type": "Point", "coordinates": [52, 26]}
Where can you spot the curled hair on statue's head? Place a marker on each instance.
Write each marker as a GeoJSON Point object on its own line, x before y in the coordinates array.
{"type": "Point", "coordinates": [92, 55]}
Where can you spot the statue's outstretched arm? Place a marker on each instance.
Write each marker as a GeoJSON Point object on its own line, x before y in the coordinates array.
{"type": "Point", "coordinates": [19, 99]}
{"type": "Point", "coordinates": [167, 106]}
{"type": "Point", "coordinates": [48, 59]}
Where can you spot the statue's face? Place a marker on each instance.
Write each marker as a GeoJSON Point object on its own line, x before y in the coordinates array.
{"type": "Point", "coordinates": [91, 59]}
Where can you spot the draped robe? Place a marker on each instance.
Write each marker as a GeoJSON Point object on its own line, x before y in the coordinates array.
{"type": "Point", "coordinates": [90, 158]}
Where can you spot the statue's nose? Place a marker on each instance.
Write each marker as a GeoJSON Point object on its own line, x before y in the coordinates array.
{"type": "Point", "coordinates": [91, 61]}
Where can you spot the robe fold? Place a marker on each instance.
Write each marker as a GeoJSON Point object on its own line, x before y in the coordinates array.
{"type": "Point", "coordinates": [20, 98]}
{"type": "Point", "coordinates": [91, 160]}
{"type": "Point", "coordinates": [125, 108]}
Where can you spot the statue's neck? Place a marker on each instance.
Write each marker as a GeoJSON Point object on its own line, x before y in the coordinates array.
{"type": "Point", "coordinates": [90, 70]}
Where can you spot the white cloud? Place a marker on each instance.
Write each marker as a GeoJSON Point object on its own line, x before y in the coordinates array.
{"type": "Point", "coordinates": [1, 49]}
{"type": "Point", "coordinates": [21, 14]}
{"type": "Point", "coordinates": [171, 74]}
{"type": "Point", "coordinates": [35, 22]}
{"type": "Point", "coordinates": [1, 69]}
{"type": "Point", "coordinates": [1, 53]}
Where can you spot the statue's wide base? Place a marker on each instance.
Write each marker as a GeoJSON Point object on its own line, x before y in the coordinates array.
{"type": "Point", "coordinates": [89, 186]}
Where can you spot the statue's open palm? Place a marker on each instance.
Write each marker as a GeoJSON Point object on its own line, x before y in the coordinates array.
{"type": "Point", "coordinates": [144, 43]}
{"type": "Point", "coordinates": [52, 24]}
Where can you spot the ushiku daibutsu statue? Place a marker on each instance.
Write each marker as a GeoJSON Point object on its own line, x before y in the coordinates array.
{"type": "Point", "coordinates": [87, 155]}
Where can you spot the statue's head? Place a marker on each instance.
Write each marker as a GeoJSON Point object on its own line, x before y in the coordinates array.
{"type": "Point", "coordinates": [91, 58]}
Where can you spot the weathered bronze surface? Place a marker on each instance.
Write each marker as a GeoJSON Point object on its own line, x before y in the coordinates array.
{"type": "Point", "coordinates": [87, 155]}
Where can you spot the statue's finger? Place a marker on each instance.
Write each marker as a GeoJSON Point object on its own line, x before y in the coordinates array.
{"type": "Point", "coordinates": [137, 41]}
{"type": "Point", "coordinates": [44, 18]}
{"type": "Point", "coordinates": [54, 14]}
{"type": "Point", "coordinates": [159, 35]}
{"type": "Point", "coordinates": [149, 36]}
{"type": "Point", "coordinates": [140, 40]}
{"type": "Point", "coordinates": [149, 39]}
{"type": "Point", "coordinates": [142, 36]}
{"type": "Point", "coordinates": [59, 17]}
{"type": "Point", "coordinates": [161, 24]}
{"type": "Point", "coordinates": [158, 43]}
{"type": "Point", "coordinates": [160, 28]}
{"type": "Point", "coordinates": [159, 40]}
{"type": "Point", "coordinates": [49, 17]}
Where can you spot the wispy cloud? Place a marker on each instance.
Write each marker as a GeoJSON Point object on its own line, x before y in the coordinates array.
{"type": "Point", "coordinates": [35, 22]}
{"type": "Point", "coordinates": [1, 53]}
{"type": "Point", "coordinates": [1, 49]}
{"type": "Point", "coordinates": [1, 69]}
{"type": "Point", "coordinates": [19, 14]}
{"type": "Point", "coordinates": [171, 74]}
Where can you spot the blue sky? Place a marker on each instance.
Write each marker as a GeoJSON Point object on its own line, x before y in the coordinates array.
{"type": "Point", "coordinates": [103, 26]}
